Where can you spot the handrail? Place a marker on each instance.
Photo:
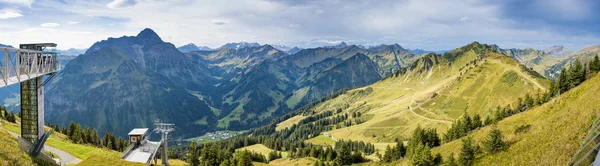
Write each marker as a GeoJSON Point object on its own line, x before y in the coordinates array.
{"type": "Point", "coordinates": [18, 65]}
{"type": "Point", "coordinates": [593, 131]}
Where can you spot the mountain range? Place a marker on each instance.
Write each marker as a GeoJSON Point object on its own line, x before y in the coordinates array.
{"type": "Point", "coordinates": [71, 51]}
{"type": "Point", "coordinates": [236, 87]}
{"type": "Point", "coordinates": [192, 47]}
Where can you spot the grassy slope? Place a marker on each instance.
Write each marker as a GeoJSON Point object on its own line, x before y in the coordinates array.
{"type": "Point", "coordinates": [558, 128]}
{"type": "Point", "coordinates": [289, 122]}
{"type": "Point", "coordinates": [480, 87]}
{"type": "Point", "coordinates": [10, 154]}
{"type": "Point", "coordinates": [291, 162]}
{"type": "Point", "coordinates": [321, 140]}
{"type": "Point", "coordinates": [260, 148]}
{"type": "Point", "coordinates": [61, 142]}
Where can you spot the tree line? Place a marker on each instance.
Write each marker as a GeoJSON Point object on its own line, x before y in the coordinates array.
{"type": "Point", "coordinates": [79, 135]}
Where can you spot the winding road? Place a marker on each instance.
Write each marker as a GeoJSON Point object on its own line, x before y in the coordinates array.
{"type": "Point", "coordinates": [66, 158]}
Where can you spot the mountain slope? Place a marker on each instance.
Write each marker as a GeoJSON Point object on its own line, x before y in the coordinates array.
{"type": "Point", "coordinates": [557, 130]}
{"type": "Point", "coordinates": [356, 71]}
{"type": "Point", "coordinates": [111, 90]}
{"type": "Point", "coordinates": [149, 51]}
{"type": "Point", "coordinates": [188, 48]}
{"type": "Point", "coordinates": [432, 92]}
{"type": "Point", "coordinates": [584, 55]}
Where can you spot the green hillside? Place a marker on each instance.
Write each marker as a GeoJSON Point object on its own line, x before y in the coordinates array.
{"type": "Point", "coordinates": [433, 92]}
{"type": "Point", "coordinates": [556, 133]}
{"type": "Point", "coordinates": [10, 154]}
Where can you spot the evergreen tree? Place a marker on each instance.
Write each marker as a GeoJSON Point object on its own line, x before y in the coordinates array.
{"type": "Point", "coordinates": [387, 156]}
{"type": "Point", "coordinates": [451, 161]}
{"type": "Point", "coordinates": [95, 138]}
{"type": "Point", "coordinates": [437, 160]}
{"type": "Point", "coordinates": [71, 130]}
{"type": "Point", "coordinates": [421, 156]}
{"type": "Point", "coordinates": [576, 74]}
{"type": "Point", "coordinates": [467, 152]}
{"type": "Point", "coordinates": [192, 154]}
{"type": "Point", "coordinates": [399, 151]}
{"type": "Point", "coordinates": [344, 156]}
{"type": "Point", "coordinates": [476, 122]}
{"type": "Point", "coordinates": [494, 142]}
{"type": "Point", "coordinates": [595, 65]}
{"type": "Point", "coordinates": [563, 83]}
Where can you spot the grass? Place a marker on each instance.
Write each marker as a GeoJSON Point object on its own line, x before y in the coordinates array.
{"type": "Point", "coordinates": [100, 160]}
{"type": "Point", "coordinates": [262, 149]}
{"type": "Point", "coordinates": [556, 130]}
{"type": "Point", "coordinates": [321, 140]}
{"type": "Point", "coordinates": [10, 154]}
{"type": "Point", "coordinates": [309, 161]}
{"type": "Point", "coordinates": [175, 162]}
{"type": "Point", "coordinates": [289, 122]}
{"type": "Point", "coordinates": [60, 141]}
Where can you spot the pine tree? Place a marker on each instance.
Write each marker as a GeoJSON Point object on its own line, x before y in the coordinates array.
{"type": "Point", "coordinates": [192, 154]}
{"type": "Point", "coordinates": [399, 151]}
{"type": "Point", "coordinates": [595, 65]}
{"type": "Point", "coordinates": [467, 152]}
{"type": "Point", "coordinates": [476, 121]}
{"type": "Point", "coordinates": [95, 138]}
{"type": "Point", "coordinates": [576, 74]}
{"type": "Point", "coordinates": [421, 156]}
{"type": "Point", "coordinates": [387, 156]}
{"type": "Point", "coordinates": [437, 160]}
{"type": "Point", "coordinates": [563, 83]}
{"type": "Point", "coordinates": [494, 142]}
{"type": "Point", "coordinates": [344, 156]}
{"type": "Point", "coordinates": [451, 161]}
{"type": "Point", "coordinates": [71, 130]}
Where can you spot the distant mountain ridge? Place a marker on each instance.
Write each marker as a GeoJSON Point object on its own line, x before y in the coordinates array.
{"type": "Point", "coordinates": [240, 45]}
{"type": "Point", "coordinates": [192, 47]}
{"type": "Point", "coordinates": [71, 51]}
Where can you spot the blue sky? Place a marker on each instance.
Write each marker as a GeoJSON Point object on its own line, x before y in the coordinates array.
{"type": "Point", "coordinates": [425, 24]}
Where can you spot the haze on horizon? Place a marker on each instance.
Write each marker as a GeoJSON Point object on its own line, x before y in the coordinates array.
{"type": "Point", "coordinates": [423, 24]}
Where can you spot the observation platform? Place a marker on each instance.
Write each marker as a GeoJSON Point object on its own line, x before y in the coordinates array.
{"type": "Point", "coordinates": [26, 63]}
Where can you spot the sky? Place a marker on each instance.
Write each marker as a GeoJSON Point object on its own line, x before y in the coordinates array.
{"type": "Point", "coordinates": [423, 24]}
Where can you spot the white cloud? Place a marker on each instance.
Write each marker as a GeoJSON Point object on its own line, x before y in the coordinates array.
{"type": "Point", "coordinates": [19, 2]}
{"type": "Point", "coordinates": [117, 4]}
{"type": "Point", "coordinates": [425, 24]}
{"type": "Point", "coordinates": [6, 14]}
{"type": "Point", "coordinates": [72, 22]}
{"type": "Point", "coordinates": [49, 25]}
{"type": "Point", "coordinates": [220, 22]}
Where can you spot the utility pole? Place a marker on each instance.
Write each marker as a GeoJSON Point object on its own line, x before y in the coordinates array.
{"type": "Point", "coordinates": [164, 129]}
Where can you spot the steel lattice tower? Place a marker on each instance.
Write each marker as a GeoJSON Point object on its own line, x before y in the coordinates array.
{"type": "Point", "coordinates": [165, 129]}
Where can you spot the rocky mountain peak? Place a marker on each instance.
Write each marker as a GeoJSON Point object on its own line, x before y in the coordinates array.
{"type": "Point", "coordinates": [149, 36]}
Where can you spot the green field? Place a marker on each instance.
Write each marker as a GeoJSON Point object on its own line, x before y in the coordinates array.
{"type": "Point", "coordinates": [321, 140]}
{"type": "Point", "coordinates": [262, 149]}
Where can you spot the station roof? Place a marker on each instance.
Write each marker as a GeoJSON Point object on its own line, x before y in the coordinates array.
{"type": "Point", "coordinates": [41, 44]}
{"type": "Point", "coordinates": [138, 131]}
